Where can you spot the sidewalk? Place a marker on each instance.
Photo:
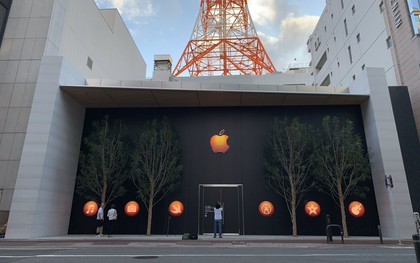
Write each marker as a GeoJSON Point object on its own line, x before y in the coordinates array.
{"type": "Point", "coordinates": [207, 240]}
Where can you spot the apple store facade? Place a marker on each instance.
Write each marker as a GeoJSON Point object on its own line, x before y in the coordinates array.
{"type": "Point", "coordinates": [234, 173]}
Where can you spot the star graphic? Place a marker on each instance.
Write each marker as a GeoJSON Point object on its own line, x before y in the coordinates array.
{"type": "Point", "coordinates": [312, 209]}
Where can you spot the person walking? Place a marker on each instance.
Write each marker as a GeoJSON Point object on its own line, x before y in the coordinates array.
{"type": "Point", "coordinates": [112, 218]}
{"type": "Point", "coordinates": [100, 221]}
{"type": "Point", "coordinates": [218, 220]}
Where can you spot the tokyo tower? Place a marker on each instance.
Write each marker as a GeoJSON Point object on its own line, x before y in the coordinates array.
{"type": "Point", "coordinates": [224, 42]}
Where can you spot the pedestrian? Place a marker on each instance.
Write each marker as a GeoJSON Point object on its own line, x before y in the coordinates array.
{"type": "Point", "coordinates": [218, 220]}
{"type": "Point", "coordinates": [100, 221]}
{"type": "Point", "coordinates": [112, 218]}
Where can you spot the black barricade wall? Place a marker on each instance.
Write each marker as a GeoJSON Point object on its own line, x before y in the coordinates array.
{"type": "Point", "coordinates": [247, 128]}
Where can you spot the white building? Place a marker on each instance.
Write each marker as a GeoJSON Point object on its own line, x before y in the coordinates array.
{"type": "Point", "coordinates": [354, 34]}
{"type": "Point", "coordinates": [47, 44]}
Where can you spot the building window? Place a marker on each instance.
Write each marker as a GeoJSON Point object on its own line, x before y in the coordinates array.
{"type": "Point", "coordinates": [326, 81]}
{"type": "Point", "coordinates": [389, 42]}
{"type": "Point", "coordinates": [3, 20]}
{"type": "Point", "coordinates": [350, 56]}
{"type": "Point", "coordinates": [342, 4]}
{"type": "Point", "coordinates": [345, 27]}
{"type": "Point", "coordinates": [381, 7]}
{"type": "Point", "coordinates": [358, 38]}
{"type": "Point", "coordinates": [414, 7]}
{"type": "Point", "coordinates": [89, 63]}
{"type": "Point", "coordinates": [353, 9]}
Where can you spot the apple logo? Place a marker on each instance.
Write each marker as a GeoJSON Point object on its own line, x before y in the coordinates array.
{"type": "Point", "coordinates": [218, 142]}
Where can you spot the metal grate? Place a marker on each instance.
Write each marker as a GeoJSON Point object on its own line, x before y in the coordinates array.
{"type": "Point", "coordinates": [146, 257]}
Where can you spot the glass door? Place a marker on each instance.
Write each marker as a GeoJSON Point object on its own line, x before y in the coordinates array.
{"type": "Point", "coordinates": [231, 197]}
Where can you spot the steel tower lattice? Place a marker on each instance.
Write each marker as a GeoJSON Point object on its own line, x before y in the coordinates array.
{"type": "Point", "coordinates": [224, 42]}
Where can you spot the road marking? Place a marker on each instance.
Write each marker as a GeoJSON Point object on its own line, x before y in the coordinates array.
{"type": "Point", "coordinates": [35, 248]}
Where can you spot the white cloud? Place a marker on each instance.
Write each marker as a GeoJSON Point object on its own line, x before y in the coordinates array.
{"type": "Point", "coordinates": [262, 11]}
{"type": "Point", "coordinates": [132, 10]}
{"type": "Point", "coordinates": [282, 30]}
{"type": "Point", "coordinates": [290, 43]}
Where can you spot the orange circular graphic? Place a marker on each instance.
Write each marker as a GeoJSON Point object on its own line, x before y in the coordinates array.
{"type": "Point", "coordinates": [90, 208]}
{"type": "Point", "coordinates": [312, 209]}
{"type": "Point", "coordinates": [218, 142]}
{"type": "Point", "coordinates": [266, 208]}
{"type": "Point", "coordinates": [356, 209]}
{"type": "Point", "coordinates": [132, 208]}
{"type": "Point", "coordinates": [176, 208]}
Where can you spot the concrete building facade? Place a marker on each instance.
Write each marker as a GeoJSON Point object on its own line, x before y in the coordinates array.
{"type": "Point", "coordinates": [40, 38]}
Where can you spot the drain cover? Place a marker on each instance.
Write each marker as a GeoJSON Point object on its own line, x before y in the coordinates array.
{"type": "Point", "coordinates": [146, 257]}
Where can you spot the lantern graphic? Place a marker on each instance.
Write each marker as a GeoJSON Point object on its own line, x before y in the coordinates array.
{"type": "Point", "coordinates": [266, 208]}
{"type": "Point", "coordinates": [176, 208]}
{"type": "Point", "coordinates": [312, 209]}
{"type": "Point", "coordinates": [132, 208]}
{"type": "Point", "coordinates": [90, 208]}
{"type": "Point", "coordinates": [356, 209]}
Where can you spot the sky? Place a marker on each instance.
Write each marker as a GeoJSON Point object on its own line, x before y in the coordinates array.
{"type": "Point", "coordinates": [165, 26]}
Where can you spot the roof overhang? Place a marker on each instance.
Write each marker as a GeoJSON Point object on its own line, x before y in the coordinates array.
{"type": "Point", "coordinates": [140, 97]}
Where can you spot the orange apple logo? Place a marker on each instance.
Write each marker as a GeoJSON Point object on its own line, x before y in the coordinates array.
{"type": "Point", "coordinates": [312, 209]}
{"type": "Point", "coordinates": [90, 208]}
{"type": "Point", "coordinates": [356, 209]}
{"type": "Point", "coordinates": [132, 208]}
{"type": "Point", "coordinates": [218, 142]}
{"type": "Point", "coordinates": [266, 208]}
{"type": "Point", "coordinates": [176, 208]}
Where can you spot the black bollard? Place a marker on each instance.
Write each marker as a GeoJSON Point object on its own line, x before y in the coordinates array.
{"type": "Point", "coordinates": [380, 234]}
{"type": "Point", "coordinates": [416, 243]}
{"type": "Point", "coordinates": [329, 231]}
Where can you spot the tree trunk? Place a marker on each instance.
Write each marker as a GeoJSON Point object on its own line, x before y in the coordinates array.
{"type": "Point", "coordinates": [104, 189]}
{"type": "Point", "coordinates": [149, 217]}
{"type": "Point", "coordinates": [343, 211]}
{"type": "Point", "coordinates": [294, 221]}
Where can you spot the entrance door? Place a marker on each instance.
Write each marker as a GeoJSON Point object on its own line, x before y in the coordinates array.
{"type": "Point", "coordinates": [231, 197]}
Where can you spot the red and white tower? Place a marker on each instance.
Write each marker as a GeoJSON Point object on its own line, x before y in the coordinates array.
{"type": "Point", "coordinates": [224, 42]}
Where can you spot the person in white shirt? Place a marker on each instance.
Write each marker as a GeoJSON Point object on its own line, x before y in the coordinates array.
{"type": "Point", "coordinates": [100, 221]}
{"type": "Point", "coordinates": [112, 217]}
{"type": "Point", "coordinates": [218, 220]}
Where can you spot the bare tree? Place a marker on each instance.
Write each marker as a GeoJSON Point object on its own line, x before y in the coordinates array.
{"type": "Point", "coordinates": [342, 163]}
{"type": "Point", "coordinates": [156, 168]}
{"type": "Point", "coordinates": [102, 161]}
{"type": "Point", "coordinates": [289, 159]}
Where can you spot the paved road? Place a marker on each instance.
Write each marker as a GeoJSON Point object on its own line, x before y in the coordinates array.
{"type": "Point", "coordinates": [119, 251]}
